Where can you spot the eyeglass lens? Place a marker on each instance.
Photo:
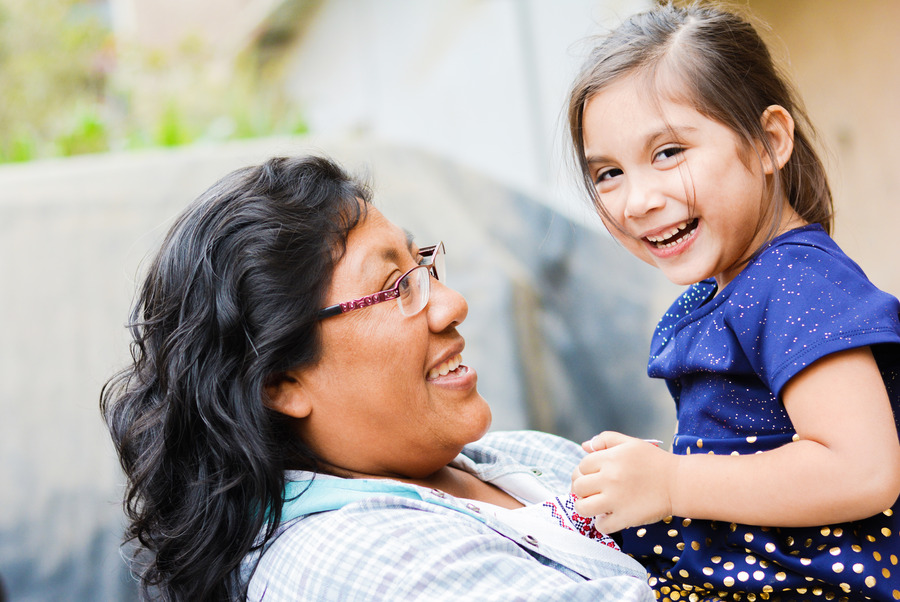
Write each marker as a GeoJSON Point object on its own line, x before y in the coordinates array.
{"type": "Point", "coordinates": [415, 287]}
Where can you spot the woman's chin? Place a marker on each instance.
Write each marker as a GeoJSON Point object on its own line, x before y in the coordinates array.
{"type": "Point", "coordinates": [487, 419]}
{"type": "Point", "coordinates": [473, 420]}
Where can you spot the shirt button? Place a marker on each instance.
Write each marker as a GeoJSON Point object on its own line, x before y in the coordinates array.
{"type": "Point", "coordinates": [473, 507]}
{"type": "Point", "coordinates": [531, 540]}
{"type": "Point", "coordinates": [536, 472]}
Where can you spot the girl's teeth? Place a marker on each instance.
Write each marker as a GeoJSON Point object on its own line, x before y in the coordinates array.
{"type": "Point", "coordinates": [668, 234]}
{"type": "Point", "coordinates": [445, 367]}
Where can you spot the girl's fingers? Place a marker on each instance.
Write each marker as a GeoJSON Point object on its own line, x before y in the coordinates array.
{"type": "Point", "coordinates": [590, 506]}
{"type": "Point", "coordinates": [593, 444]}
{"type": "Point", "coordinates": [605, 440]}
{"type": "Point", "coordinates": [608, 522]}
{"type": "Point", "coordinates": [586, 485]}
{"type": "Point", "coordinates": [576, 474]}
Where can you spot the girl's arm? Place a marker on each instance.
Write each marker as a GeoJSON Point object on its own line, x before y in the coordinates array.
{"type": "Point", "coordinates": [845, 465]}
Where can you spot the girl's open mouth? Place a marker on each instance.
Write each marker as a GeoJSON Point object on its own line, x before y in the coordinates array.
{"type": "Point", "coordinates": [678, 234]}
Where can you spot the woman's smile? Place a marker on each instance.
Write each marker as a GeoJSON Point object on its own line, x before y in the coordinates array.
{"type": "Point", "coordinates": [445, 367]}
{"type": "Point", "coordinates": [453, 374]}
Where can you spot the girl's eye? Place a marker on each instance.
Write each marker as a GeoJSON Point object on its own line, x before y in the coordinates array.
{"type": "Point", "coordinates": [669, 152]}
{"type": "Point", "coordinates": [607, 174]}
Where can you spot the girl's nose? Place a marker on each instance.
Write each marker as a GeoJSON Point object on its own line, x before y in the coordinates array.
{"type": "Point", "coordinates": [446, 307]}
{"type": "Point", "coordinates": [643, 198]}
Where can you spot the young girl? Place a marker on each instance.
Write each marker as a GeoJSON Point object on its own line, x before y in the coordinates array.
{"type": "Point", "coordinates": [783, 359]}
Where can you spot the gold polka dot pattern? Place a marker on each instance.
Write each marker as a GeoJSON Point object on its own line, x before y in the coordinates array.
{"type": "Point", "coordinates": [689, 559]}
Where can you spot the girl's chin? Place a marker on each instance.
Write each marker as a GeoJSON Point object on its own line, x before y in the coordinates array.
{"type": "Point", "coordinates": [684, 280]}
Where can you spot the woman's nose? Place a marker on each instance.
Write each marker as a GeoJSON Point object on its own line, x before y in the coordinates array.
{"type": "Point", "coordinates": [643, 198]}
{"type": "Point", "coordinates": [446, 307]}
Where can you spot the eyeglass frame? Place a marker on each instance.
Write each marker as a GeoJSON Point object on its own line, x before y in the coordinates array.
{"type": "Point", "coordinates": [393, 292]}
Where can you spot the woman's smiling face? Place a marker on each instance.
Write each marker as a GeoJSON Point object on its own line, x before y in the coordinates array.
{"type": "Point", "coordinates": [685, 193]}
{"type": "Point", "coordinates": [377, 402]}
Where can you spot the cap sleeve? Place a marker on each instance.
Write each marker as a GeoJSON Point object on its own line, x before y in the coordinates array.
{"type": "Point", "coordinates": [802, 303]}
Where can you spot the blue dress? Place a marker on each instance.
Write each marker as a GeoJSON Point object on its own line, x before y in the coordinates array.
{"type": "Point", "coordinates": [726, 358]}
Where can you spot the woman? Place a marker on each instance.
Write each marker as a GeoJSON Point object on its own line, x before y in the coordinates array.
{"type": "Point", "coordinates": [297, 422]}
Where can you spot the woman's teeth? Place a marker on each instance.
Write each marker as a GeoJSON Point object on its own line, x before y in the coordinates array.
{"type": "Point", "coordinates": [445, 367]}
{"type": "Point", "coordinates": [673, 236]}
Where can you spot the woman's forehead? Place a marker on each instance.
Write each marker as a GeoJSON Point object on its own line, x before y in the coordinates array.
{"type": "Point", "coordinates": [379, 231]}
{"type": "Point", "coordinates": [374, 242]}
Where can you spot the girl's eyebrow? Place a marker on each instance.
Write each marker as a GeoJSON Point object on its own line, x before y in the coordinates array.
{"type": "Point", "coordinates": [676, 131]}
{"type": "Point", "coordinates": [650, 140]}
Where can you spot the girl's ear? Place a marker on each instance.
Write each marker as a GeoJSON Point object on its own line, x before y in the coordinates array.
{"type": "Point", "coordinates": [778, 126]}
{"type": "Point", "coordinates": [285, 395]}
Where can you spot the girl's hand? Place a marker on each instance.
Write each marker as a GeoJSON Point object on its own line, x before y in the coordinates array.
{"type": "Point", "coordinates": [623, 483]}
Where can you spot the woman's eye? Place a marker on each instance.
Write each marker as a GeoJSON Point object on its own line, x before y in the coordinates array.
{"type": "Point", "coordinates": [392, 280]}
{"type": "Point", "coordinates": [403, 286]}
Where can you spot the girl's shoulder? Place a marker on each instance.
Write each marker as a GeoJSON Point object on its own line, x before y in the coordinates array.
{"type": "Point", "coordinates": [804, 249]}
{"type": "Point", "coordinates": [806, 267]}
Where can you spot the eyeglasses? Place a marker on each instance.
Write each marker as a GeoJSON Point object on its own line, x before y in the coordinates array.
{"type": "Point", "coordinates": [411, 291]}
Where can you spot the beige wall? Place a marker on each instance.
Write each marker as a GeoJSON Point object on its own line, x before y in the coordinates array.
{"type": "Point", "coordinates": [843, 58]}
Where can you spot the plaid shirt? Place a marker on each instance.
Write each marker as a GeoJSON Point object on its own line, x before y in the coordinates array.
{"type": "Point", "coordinates": [402, 542]}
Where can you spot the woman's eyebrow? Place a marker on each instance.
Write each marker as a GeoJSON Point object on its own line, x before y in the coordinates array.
{"type": "Point", "coordinates": [392, 255]}
{"type": "Point", "coordinates": [411, 243]}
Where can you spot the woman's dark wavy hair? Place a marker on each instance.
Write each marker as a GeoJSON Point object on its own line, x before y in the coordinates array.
{"type": "Point", "coordinates": [228, 304]}
{"type": "Point", "coordinates": [721, 66]}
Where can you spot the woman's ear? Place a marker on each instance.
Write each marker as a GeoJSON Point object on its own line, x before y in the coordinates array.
{"type": "Point", "coordinates": [778, 126]}
{"type": "Point", "coordinates": [286, 396]}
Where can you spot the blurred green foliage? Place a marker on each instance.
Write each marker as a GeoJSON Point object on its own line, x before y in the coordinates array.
{"type": "Point", "coordinates": [48, 72]}
{"type": "Point", "coordinates": [69, 87]}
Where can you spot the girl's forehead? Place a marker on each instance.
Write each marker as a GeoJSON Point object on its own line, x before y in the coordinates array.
{"type": "Point", "coordinates": [653, 87]}
{"type": "Point", "coordinates": [666, 91]}
{"type": "Point", "coordinates": [627, 103]}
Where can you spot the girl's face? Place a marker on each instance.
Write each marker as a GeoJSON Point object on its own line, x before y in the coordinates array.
{"type": "Point", "coordinates": [685, 194]}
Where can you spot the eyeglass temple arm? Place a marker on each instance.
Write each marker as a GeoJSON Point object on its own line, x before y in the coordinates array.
{"type": "Point", "coordinates": [366, 301]}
